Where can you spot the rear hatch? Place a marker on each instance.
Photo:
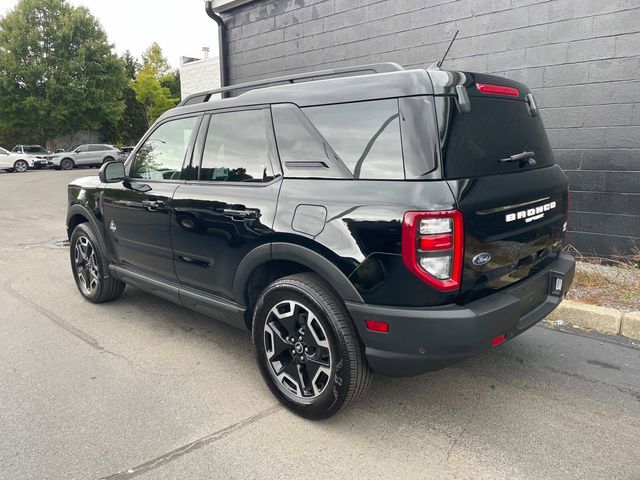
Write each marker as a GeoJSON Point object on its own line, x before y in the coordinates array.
{"type": "Point", "coordinates": [497, 160]}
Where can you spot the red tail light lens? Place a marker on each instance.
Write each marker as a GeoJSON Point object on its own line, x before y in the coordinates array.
{"type": "Point", "coordinates": [432, 247]}
{"type": "Point", "coordinates": [497, 89]}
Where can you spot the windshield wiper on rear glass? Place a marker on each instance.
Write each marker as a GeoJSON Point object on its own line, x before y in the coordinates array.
{"type": "Point", "coordinates": [524, 157]}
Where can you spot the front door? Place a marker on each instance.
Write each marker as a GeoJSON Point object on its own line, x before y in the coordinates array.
{"type": "Point", "coordinates": [137, 210]}
{"type": "Point", "coordinates": [228, 209]}
{"type": "Point", "coordinates": [82, 155]}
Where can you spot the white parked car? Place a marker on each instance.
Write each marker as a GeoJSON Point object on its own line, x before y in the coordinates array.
{"type": "Point", "coordinates": [90, 155]}
{"type": "Point", "coordinates": [14, 162]}
{"type": "Point", "coordinates": [38, 155]}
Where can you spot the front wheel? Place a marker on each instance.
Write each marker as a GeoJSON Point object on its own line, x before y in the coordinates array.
{"type": "Point", "coordinates": [90, 267]}
{"type": "Point", "coordinates": [307, 349]}
{"type": "Point", "coordinates": [20, 166]}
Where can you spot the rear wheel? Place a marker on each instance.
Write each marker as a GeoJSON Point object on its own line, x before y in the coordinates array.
{"type": "Point", "coordinates": [307, 349]}
{"type": "Point", "coordinates": [20, 166]}
{"type": "Point", "coordinates": [90, 267]}
{"type": "Point", "coordinates": [108, 159]}
{"type": "Point", "coordinates": [66, 164]}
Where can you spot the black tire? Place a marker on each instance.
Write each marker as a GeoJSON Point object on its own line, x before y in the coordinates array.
{"type": "Point", "coordinates": [347, 375]}
{"type": "Point", "coordinates": [66, 164]}
{"type": "Point", "coordinates": [107, 287]}
{"type": "Point", "coordinates": [108, 159]}
{"type": "Point", "coordinates": [20, 166]}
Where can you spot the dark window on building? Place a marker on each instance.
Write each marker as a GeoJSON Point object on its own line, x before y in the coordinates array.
{"type": "Point", "coordinates": [162, 154]}
{"type": "Point", "coordinates": [365, 135]}
{"type": "Point", "coordinates": [236, 148]}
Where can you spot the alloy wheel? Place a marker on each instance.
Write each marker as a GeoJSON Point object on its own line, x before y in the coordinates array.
{"type": "Point", "coordinates": [297, 349]}
{"type": "Point", "coordinates": [86, 263]}
{"type": "Point", "coordinates": [21, 166]}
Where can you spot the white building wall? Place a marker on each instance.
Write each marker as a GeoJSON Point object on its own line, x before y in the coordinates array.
{"type": "Point", "coordinates": [199, 75]}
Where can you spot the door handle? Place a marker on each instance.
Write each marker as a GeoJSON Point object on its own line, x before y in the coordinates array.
{"type": "Point", "coordinates": [240, 215]}
{"type": "Point", "coordinates": [153, 205]}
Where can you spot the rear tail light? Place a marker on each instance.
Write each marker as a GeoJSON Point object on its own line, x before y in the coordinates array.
{"type": "Point", "coordinates": [497, 89]}
{"type": "Point", "coordinates": [432, 247]}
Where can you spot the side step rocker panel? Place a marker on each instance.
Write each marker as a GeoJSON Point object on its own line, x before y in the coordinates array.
{"type": "Point", "coordinates": [210, 305]}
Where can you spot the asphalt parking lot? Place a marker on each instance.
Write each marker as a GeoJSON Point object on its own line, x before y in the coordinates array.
{"type": "Point", "coordinates": [144, 388]}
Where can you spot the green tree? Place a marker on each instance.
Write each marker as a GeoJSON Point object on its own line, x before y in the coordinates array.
{"type": "Point", "coordinates": [172, 81]}
{"type": "Point", "coordinates": [133, 122]}
{"type": "Point", "coordinates": [131, 65]}
{"type": "Point", "coordinates": [58, 73]}
{"type": "Point", "coordinates": [148, 84]}
{"type": "Point", "coordinates": [154, 58]}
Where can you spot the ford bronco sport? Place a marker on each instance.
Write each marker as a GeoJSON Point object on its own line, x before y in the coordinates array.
{"type": "Point", "coordinates": [382, 220]}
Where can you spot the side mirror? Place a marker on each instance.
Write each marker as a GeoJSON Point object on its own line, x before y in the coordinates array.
{"type": "Point", "coordinates": [111, 172]}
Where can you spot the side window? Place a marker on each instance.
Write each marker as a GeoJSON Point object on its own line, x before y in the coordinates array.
{"type": "Point", "coordinates": [365, 135]}
{"type": "Point", "coordinates": [303, 152]}
{"type": "Point", "coordinates": [82, 149]}
{"type": "Point", "coordinates": [95, 148]}
{"type": "Point", "coordinates": [162, 154]}
{"type": "Point", "coordinates": [236, 148]}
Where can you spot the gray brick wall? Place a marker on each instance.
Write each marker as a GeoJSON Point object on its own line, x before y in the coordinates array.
{"type": "Point", "coordinates": [581, 58]}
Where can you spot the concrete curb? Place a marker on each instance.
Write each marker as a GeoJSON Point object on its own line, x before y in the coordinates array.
{"type": "Point", "coordinates": [593, 317]}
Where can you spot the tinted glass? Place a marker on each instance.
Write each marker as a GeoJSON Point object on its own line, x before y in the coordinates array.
{"type": "Point", "coordinates": [34, 149]}
{"type": "Point", "coordinates": [96, 148]}
{"type": "Point", "coordinates": [82, 149]}
{"type": "Point", "coordinates": [236, 148]}
{"type": "Point", "coordinates": [474, 143]}
{"type": "Point", "coordinates": [3, 151]}
{"type": "Point", "coordinates": [161, 156]}
{"type": "Point", "coordinates": [365, 135]}
{"type": "Point", "coordinates": [302, 150]}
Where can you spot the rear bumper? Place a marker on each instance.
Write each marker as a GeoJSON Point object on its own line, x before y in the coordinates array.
{"type": "Point", "coordinates": [425, 339]}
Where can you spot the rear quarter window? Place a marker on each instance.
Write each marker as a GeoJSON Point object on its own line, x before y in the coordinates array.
{"type": "Point", "coordinates": [364, 135]}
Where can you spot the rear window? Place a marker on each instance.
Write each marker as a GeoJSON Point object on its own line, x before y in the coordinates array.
{"type": "Point", "coordinates": [474, 143]}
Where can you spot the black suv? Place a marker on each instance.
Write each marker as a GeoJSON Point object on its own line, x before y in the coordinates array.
{"type": "Point", "coordinates": [392, 222]}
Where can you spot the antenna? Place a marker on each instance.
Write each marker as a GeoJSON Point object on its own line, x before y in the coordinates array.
{"type": "Point", "coordinates": [439, 64]}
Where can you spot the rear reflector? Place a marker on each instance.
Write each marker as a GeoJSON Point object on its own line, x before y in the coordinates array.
{"type": "Point", "coordinates": [375, 326]}
{"type": "Point", "coordinates": [498, 340]}
{"type": "Point", "coordinates": [497, 89]}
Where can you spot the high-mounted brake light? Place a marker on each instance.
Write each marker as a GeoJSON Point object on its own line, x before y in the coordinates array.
{"type": "Point", "coordinates": [432, 247]}
{"type": "Point", "coordinates": [497, 89]}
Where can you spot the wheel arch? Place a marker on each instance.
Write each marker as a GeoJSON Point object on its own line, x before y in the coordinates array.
{"type": "Point", "coordinates": [78, 214]}
{"type": "Point", "coordinates": [269, 262]}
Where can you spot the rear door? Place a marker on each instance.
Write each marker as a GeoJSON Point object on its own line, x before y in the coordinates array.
{"type": "Point", "coordinates": [228, 207]}
{"type": "Point", "coordinates": [513, 197]}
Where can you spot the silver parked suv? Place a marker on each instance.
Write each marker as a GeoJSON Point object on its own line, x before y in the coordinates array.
{"type": "Point", "coordinates": [85, 155]}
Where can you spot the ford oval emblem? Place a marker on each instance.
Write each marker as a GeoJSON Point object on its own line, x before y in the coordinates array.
{"type": "Point", "coordinates": [482, 258]}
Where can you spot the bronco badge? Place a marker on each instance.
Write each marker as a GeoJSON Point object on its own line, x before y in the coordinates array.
{"type": "Point", "coordinates": [530, 214]}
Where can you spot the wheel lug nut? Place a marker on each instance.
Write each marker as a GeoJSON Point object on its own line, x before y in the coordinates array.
{"type": "Point", "coordinates": [306, 349]}
{"type": "Point", "coordinates": [293, 352]}
{"type": "Point", "coordinates": [299, 339]}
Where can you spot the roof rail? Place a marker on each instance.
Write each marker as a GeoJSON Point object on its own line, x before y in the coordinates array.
{"type": "Point", "coordinates": [205, 96]}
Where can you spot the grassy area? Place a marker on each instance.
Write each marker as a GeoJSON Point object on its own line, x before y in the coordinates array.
{"type": "Point", "coordinates": [616, 286]}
